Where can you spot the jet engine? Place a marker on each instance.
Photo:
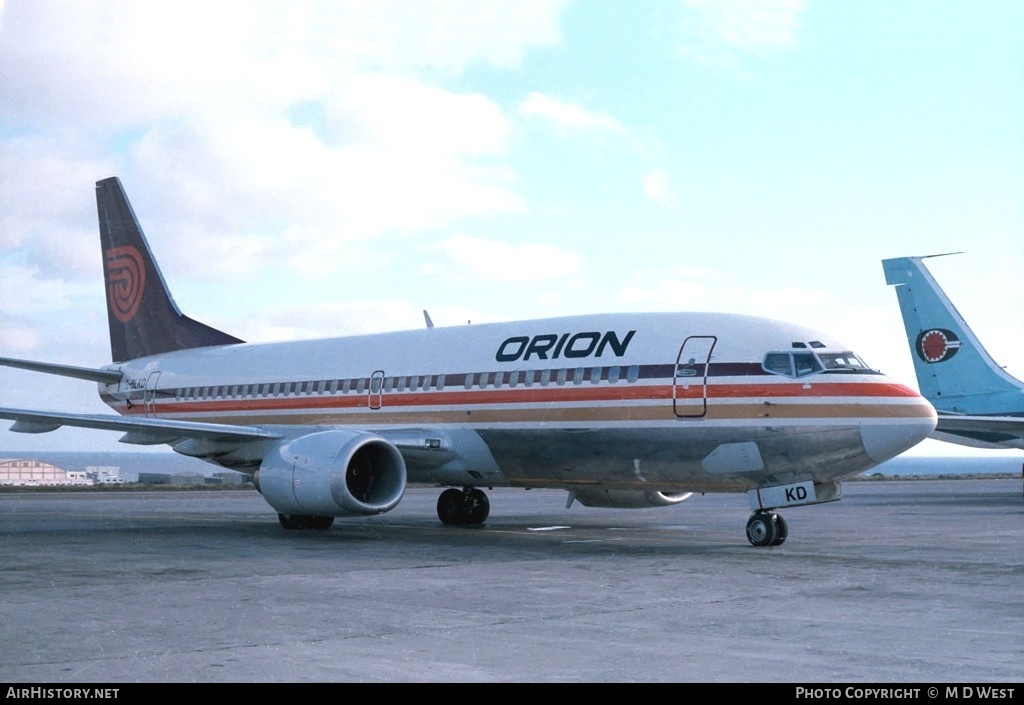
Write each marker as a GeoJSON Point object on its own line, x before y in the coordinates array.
{"type": "Point", "coordinates": [627, 499]}
{"type": "Point", "coordinates": [333, 473]}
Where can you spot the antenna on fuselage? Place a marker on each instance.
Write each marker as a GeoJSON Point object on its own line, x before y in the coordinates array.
{"type": "Point", "coordinates": [426, 317]}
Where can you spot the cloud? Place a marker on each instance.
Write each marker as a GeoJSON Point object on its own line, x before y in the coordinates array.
{"type": "Point", "coordinates": [492, 260]}
{"type": "Point", "coordinates": [697, 288]}
{"type": "Point", "coordinates": [657, 188]}
{"type": "Point", "coordinates": [324, 320]}
{"type": "Point", "coordinates": [567, 116]}
{"type": "Point", "coordinates": [23, 291]}
{"type": "Point", "coordinates": [284, 130]}
{"type": "Point", "coordinates": [715, 30]}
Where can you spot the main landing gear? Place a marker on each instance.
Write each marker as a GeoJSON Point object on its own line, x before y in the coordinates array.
{"type": "Point", "coordinates": [767, 529]}
{"type": "Point", "coordinates": [466, 506]}
{"type": "Point", "coordinates": [302, 521]}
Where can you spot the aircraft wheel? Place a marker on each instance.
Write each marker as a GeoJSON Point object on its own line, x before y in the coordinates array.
{"type": "Point", "coordinates": [451, 507]}
{"type": "Point", "coordinates": [782, 530]}
{"type": "Point", "coordinates": [292, 521]}
{"type": "Point", "coordinates": [761, 529]}
{"type": "Point", "coordinates": [478, 507]}
{"type": "Point", "coordinates": [320, 523]}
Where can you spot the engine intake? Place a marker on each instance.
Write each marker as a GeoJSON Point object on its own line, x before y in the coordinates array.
{"type": "Point", "coordinates": [333, 473]}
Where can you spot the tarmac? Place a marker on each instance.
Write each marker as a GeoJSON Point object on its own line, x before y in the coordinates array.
{"type": "Point", "coordinates": [901, 581]}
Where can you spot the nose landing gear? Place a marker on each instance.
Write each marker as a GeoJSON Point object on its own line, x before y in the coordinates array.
{"type": "Point", "coordinates": [767, 529]}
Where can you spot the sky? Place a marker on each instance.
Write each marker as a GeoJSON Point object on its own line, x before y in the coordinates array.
{"type": "Point", "coordinates": [314, 169]}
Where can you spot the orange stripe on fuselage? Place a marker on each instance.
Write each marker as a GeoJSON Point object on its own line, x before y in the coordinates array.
{"type": "Point", "coordinates": [848, 414]}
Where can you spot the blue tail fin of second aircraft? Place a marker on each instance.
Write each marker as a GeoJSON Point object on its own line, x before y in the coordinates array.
{"type": "Point", "coordinates": [954, 371]}
{"type": "Point", "coordinates": [144, 319]}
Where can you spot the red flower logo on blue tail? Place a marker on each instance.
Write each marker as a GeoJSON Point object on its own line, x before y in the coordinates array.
{"type": "Point", "coordinates": [937, 345]}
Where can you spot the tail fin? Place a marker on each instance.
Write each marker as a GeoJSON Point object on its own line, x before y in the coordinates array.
{"type": "Point", "coordinates": [954, 371]}
{"type": "Point", "coordinates": [144, 319]}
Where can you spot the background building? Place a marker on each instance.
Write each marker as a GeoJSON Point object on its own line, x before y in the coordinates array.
{"type": "Point", "coordinates": [27, 471]}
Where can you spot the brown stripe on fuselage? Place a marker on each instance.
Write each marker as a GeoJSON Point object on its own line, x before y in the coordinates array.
{"type": "Point", "coordinates": [390, 415]}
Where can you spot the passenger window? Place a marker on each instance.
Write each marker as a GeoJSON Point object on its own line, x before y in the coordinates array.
{"type": "Point", "coordinates": [545, 377]}
{"type": "Point", "coordinates": [633, 373]}
{"type": "Point", "coordinates": [595, 375]}
{"type": "Point", "coordinates": [562, 374]}
{"type": "Point", "coordinates": [577, 375]}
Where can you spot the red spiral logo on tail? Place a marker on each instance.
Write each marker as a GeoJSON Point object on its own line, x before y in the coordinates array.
{"type": "Point", "coordinates": [126, 281]}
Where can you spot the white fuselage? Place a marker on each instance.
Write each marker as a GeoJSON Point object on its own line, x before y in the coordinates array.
{"type": "Point", "coordinates": [670, 401]}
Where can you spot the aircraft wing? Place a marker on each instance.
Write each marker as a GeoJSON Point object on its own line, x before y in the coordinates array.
{"type": "Point", "coordinates": [140, 431]}
{"type": "Point", "coordinates": [422, 449]}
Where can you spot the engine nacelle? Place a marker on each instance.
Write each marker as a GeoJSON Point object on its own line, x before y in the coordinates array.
{"type": "Point", "coordinates": [627, 499]}
{"type": "Point", "coordinates": [333, 473]}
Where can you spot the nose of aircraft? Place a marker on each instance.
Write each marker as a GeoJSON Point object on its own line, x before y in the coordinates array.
{"type": "Point", "coordinates": [893, 435]}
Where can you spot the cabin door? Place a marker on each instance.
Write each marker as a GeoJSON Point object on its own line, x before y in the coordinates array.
{"type": "Point", "coordinates": [149, 394]}
{"type": "Point", "coordinates": [376, 390]}
{"type": "Point", "coordinates": [690, 382]}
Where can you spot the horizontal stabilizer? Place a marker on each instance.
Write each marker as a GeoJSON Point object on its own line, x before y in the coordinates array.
{"type": "Point", "coordinates": [1013, 425]}
{"type": "Point", "coordinates": [88, 373]}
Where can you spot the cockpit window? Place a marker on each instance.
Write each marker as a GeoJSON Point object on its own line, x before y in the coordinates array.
{"type": "Point", "coordinates": [806, 364]}
{"type": "Point", "coordinates": [779, 363]}
{"type": "Point", "coordinates": [801, 364]}
{"type": "Point", "coordinates": [843, 362]}
{"type": "Point", "coordinates": [797, 364]}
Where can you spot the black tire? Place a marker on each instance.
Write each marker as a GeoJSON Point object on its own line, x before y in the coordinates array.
{"type": "Point", "coordinates": [293, 521]}
{"type": "Point", "coordinates": [479, 507]}
{"type": "Point", "coordinates": [781, 530]}
{"type": "Point", "coordinates": [320, 523]}
{"type": "Point", "coordinates": [761, 529]}
{"type": "Point", "coordinates": [451, 507]}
